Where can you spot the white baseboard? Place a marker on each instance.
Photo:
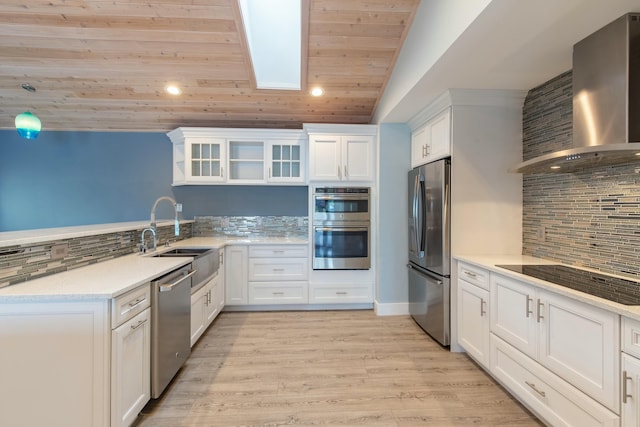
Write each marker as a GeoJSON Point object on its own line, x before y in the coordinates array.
{"type": "Point", "coordinates": [391, 309]}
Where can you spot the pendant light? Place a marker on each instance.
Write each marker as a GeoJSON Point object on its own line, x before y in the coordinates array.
{"type": "Point", "coordinates": [28, 125]}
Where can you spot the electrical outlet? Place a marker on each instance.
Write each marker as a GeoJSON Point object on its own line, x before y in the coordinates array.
{"type": "Point", "coordinates": [225, 222]}
{"type": "Point", "coordinates": [542, 233]}
{"type": "Point", "coordinates": [178, 207]}
{"type": "Point", "coordinates": [259, 221]}
{"type": "Point", "coordinates": [300, 222]}
{"type": "Point", "coordinates": [59, 251]}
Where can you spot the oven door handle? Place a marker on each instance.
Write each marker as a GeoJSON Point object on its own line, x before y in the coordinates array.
{"type": "Point", "coordinates": [345, 197]}
{"type": "Point", "coordinates": [168, 287]}
{"type": "Point", "coordinates": [342, 228]}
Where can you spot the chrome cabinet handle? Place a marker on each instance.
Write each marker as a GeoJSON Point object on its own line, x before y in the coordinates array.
{"type": "Point", "coordinates": [625, 392]}
{"type": "Point", "coordinates": [209, 297]}
{"type": "Point", "coordinates": [482, 307]}
{"type": "Point", "coordinates": [533, 386]}
{"type": "Point", "coordinates": [277, 293]}
{"type": "Point", "coordinates": [540, 316]}
{"type": "Point", "coordinates": [470, 274]}
{"type": "Point", "coordinates": [424, 150]}
{"type": "Point", "coordinates": [137, 325]}
{"type": "Point", "coordinates": [341, 293]}
{"type": "Point", "coordinates": [277, 269]}
{"type": "Point", "coordinates": [339, 172]}
{"type": "Point", "coordinates": [529, 311]}
{"type": "Point", "coordinates": [221, 171]}
{"type": "Point", "coordinates": [133, 305]}
{"type": "Point", "coordinates": [345, 171]}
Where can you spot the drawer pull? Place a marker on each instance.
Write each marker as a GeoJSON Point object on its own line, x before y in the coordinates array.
{"type": "Point", "coordinates": [529, 311]}
{"type": "Point", "coordinates": [277, 293]}
{"type": "Point", "coordinates": [625, 392]}
{"type": "Point", "coordinates": [279, 270]}
{"type": "Point", "coordinates": [278, 251]}
{"type": "Point", "coordinates": [140, 322]}
{"type": "Point", "coordinates": [540, 305]}
{"type": "Point", "coordinates": [483, 304]}
{"type": "Point", "coordinates": [533, 386]}
{"type": "Point", "coordinates": [133, 305]}
{"type": "Point", "coordinates": [470, 274]}
{"type": "Point", "coordinates": [341, 293]}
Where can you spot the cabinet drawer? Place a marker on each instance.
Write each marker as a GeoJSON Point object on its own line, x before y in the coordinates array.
{"type": "Point", "coordinates": [550, 397]}
{"type": "Point", "coordinates": [271, 269]}
{"type": "Point", "coordinates": [278, 293]}
{"type": "Point", "coordinates": [473, 274]}
{"type": "Point", "coordinates": [128, 305]}
{"type": "Point", "coordinates": [631, 336]}
{"type": "Point", "coordinates": [330, 294]}
{"type": "Point", "coordinates": [278, 251]}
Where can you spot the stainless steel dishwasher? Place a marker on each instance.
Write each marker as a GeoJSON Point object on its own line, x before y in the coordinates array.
{"type": "Point", "coordinates": [170, 326]}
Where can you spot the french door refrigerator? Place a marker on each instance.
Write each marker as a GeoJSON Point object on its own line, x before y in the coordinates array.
{"type": "Point", "coordinates": [429, 248]}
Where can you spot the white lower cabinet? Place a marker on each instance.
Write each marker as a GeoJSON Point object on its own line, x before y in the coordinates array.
{"type": "Point", "coordinates": [352, 293]}
{"type": "Point", "coordinates": [205, 307]}
{"type": "Point", "coordinates": [630, 376]}
{"type": "Point", "coordinates": [556, 401]}
{"type": "Point", "coordinates": [473, 321]}
{"type": "Point", "coordinates": [278, 274]}
{"type": "Point", "coordinates": [130, 369]}
{"type": "Point", "coordinates": [235, 275]}
{"type": "Point", "coordinates": [54, 363]}
{"type": "Point", "coordinates": [577, 341]}
{"type": "Point", "coordinates": [78, 362]}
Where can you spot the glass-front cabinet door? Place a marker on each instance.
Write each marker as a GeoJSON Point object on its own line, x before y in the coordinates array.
{"type": "Point", "coordinates": [286, 162]}
{"type": "Point", "coordinates": [207, 159]}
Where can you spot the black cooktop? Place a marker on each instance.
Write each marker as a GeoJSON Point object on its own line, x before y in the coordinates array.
{"type": "Point", "coordinates": [622, 291]}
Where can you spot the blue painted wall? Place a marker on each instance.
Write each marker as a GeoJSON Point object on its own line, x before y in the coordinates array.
{"type": "Point", "coordinates": [77, 178]}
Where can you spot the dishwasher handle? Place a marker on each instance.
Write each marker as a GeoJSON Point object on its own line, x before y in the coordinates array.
{"type": "Point", "coordinates": [169, 286]}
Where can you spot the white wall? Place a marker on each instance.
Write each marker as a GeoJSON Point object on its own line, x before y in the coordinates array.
{"type": "Point", "coordinates": [436, 25]}
{"type": "Point", "coordinates": [392, 293]}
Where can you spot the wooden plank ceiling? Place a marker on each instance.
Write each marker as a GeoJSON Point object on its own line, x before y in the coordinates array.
{"type": "Point", "coordinates": [103, 64]}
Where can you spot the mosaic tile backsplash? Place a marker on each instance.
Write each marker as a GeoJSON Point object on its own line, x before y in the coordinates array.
{"type": "Point", "coordinates": [589, 218]}
{"type": "Point", "coordinates": [255, 226]}
{"type": "Point", "coordinates": [24, 262]}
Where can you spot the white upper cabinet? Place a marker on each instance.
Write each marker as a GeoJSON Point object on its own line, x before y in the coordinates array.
{"type": "Point", "coordinates": [205, 156]}
{"type": "Point", "coordinates": [432, 141]}
{"type": "Point", "coordinates": [341, 152]}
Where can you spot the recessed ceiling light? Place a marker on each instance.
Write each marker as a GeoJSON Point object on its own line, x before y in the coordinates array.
{"type": "Point", "coordinates": [317, 91]}
{"type": "Point", "coordinates": [173, 90]}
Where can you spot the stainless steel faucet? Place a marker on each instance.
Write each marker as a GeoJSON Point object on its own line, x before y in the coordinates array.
{"type": "Point", "coordinates": [143, 245]}
{"type": "Point", "coordinates": [153, 218]}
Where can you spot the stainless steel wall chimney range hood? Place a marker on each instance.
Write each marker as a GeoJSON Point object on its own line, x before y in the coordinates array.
{"type": "Point", "coordinates": [606, 102]}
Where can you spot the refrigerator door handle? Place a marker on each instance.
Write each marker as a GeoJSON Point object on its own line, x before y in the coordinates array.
{"type": "Point", "coordinates": [414, 215]}
{"type": "Point", "coordinates": [418, 219]}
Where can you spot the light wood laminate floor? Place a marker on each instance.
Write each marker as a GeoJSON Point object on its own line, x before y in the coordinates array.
{"type": "Point", "coordinates": [328, 368]}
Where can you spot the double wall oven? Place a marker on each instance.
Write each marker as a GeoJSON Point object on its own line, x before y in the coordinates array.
{"type": "Point", "coordinates": [341, 228]}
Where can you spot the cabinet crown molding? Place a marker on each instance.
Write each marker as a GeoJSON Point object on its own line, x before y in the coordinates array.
{"type": "Point", "coordinates": [178, 134]}
{"type": "Point", "coordinates": [340, 129]}
{"type": "Point", "coordinates": [469, 98]}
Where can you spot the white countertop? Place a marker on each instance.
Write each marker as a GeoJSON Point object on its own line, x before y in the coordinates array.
{"type": "Point", "coordinates": [489, 262]}
{"type": "Point", "coordinates": [108, 279]}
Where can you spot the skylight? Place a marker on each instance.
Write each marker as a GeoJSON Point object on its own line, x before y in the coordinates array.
{"type": "Point", "coordinates": [273, 30]}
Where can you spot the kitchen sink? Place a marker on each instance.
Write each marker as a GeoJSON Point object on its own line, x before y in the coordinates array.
{"type": "Point", "coordinates": [182, 252]}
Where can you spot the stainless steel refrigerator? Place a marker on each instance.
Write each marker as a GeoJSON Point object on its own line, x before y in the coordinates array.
{"type": "Point", "coordinates": [430, 248]}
